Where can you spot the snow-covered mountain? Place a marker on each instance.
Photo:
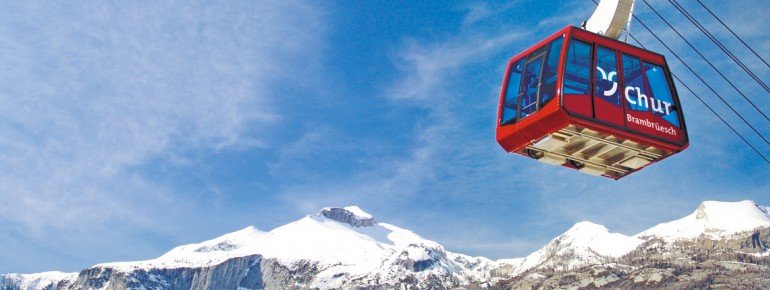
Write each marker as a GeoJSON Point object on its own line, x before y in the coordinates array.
{"type": "Point", "coordinates": [713, 219]}
{"type": "Point", "coordinates": [348, 244]}
{"type": "Point", "coordinates": [334, 248]}
{"type": "Point", "coordinates": [584, 244]}
{"type": "Point", "coordinates": [347, 248]}
{"type": "Point", "coordinates": [587, 244]}
{"type": "Point", "coordinates": [44, 280]}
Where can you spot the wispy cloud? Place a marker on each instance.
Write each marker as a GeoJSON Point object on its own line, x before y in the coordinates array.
{"type": "Point", "coordinates": [451, 157]}
{"type": "Point", "coordinates": [94, 91]}
{"type": "Point", "coordinates": [100, 100]}
{"type": "Point", "coordinates": [449, 166]}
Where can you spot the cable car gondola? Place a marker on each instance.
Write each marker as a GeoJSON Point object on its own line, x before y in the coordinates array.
{"type": "Point", "coordinates": [592, 103]}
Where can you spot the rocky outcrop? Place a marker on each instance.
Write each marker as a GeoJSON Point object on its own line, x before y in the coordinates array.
{"type": "Point", "coordinates": [37, 281]}
{"type": "Point", "coordinates": [251, 272]}
{"type": "Point", "coordinates": [256, 272]}
{"type": "Point", "coordinates": [702, 263]}
{"type": "Point", "coordinates": [347, 216]}
{"type": "Point", "coordinates": [345, 248]}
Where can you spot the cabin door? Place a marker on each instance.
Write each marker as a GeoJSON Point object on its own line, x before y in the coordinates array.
{"type": "Point", "coordinates": [607, 90]}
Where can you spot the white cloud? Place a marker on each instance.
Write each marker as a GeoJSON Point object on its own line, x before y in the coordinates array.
{"type": "Point", "coordinates": [640, 201]}
{"type": "Point", "coordinates": [444, 146]}
{"type": "Point", "coordinates": [477, 11]}
{"type": "Point", "coordinates": [426, 69]}
{"type": "Point", "coordinates": [94, 91]}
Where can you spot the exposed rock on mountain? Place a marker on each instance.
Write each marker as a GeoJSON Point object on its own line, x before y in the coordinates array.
{"type": "Point", "coordinates": [713, 219]}
{"type": "Point", "coordinates": [351, 215]}
{"type": "Point", "coordinates": [44, 280]}
{"type": "Point", "coordinates": [582, 245]}
{"type": "Point", "coordinates": [710, 248]}
{"type": "Point", "coordinates": [700, 263]}
{"type": "Point", "coordinates": [335, 248]}
{"type": "Point", "coordinates": [343, 248]}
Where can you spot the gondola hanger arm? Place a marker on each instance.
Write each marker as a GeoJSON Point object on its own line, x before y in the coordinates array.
{"type": "Point", "coordinates": [611, 18]}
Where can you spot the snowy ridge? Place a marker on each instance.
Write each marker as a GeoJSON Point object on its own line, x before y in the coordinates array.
{"type": "Point", "coordinates": [340, 240]}
{"type": "Point", "coordinates": [346, 248]}
{"type": "Point", "coordinates": [351, 215]}
{"type": "Point", "coordinates": [714, 220]}
{"type": "Point", "coordinates": [587, 243]}
{"type": "Point", "coordinates": [584, 244]}
{"type": "Point", "coordinates": [202, 254]}
{"type": "Point", "coordinates": [36, 281]}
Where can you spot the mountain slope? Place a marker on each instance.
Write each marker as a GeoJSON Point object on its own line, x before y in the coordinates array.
{"type": "Point", "coordinates": [335, 248]}
{"type": "Point", "coordinates": [584, 244]}
{"type": "Point", "coordinates": [347, 248]}
{"type": "Point", "coordinates": [37, 281]}
{"type": "Point", "coordinates": [710, 248]}
{"type": "Point", "coordinates": [713, 219]}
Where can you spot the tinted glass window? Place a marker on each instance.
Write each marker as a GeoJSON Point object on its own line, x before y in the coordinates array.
{"type": "Point", "coordinates": [607, 76]}
{"type": "Point", "coordinates": [512, 93]}
{"type": "Point", "coordinates": [661, 101]}
{"type": "Point", "coordinates": [528, 103]}
{"type": "Point", "coordinates": [548, 91]}
{"type": "Point", "coordinates": [531, 79]}
{"type": "Point", "coordinates": [634, 90]}
{"type": "Point", "coordinates": [577, 73]}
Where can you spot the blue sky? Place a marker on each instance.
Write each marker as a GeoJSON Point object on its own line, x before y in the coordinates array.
{"type": "Point", "coordinates": [129, 128]}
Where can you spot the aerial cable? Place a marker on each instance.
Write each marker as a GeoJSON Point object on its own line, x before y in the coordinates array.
{"type": "Point", "coordinates": [719, 44]}
{"type": "Point", "coordinates": [701, 79]}
{"type": "Point", "coordinates": [709, 63]}
{"type": "Point", "coordinates": [708, 86]}
{"type": "Point", "coordinates": [709, 107]}
{"type": "Point", "coordinates": [720, 118]}
{"type": "Point", "coordinates": [736, 35]}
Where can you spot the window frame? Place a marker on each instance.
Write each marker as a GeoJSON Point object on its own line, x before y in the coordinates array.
{"type": "Point", "coordinates": [556, 69]}
{"type": "Point", "coordinates": [620, 52]}
{"type": "Point", "coordinates": [644, 55]}
{"type": "Point", "coordinates": [541, 52]}
{"type": "Point", "coordinates": [670, 89]}
{"type": "Point", "coordinates": [511, 71]}
{"type": "Point", "coordinates": [645, 82]}
{"type": "Point", "coordinates": [564, 68]}
{"type": "Point", "coordinates": [618, 71]}
{"type": "Point", "coordinates": [530, 59]}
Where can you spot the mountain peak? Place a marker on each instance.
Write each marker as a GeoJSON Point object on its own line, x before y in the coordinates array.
{"type": "Point", "coordinates": [42, 280]}
{"type": "Point", "coordinates": [585, 243]}
{"type": "Point", "coordinates": [726, 210]}
{"type": "Point", "coordinates": [714, 219]}
{"type": "Point", "coordinates": [351, 215]}
{"type": "Point", "coordinates": [598, 239]}
{"type": "Point", "coordinates": [586, 226]}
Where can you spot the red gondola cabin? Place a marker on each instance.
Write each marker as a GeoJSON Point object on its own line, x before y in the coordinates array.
{"type": "Point", "coordinates": [591, 103]}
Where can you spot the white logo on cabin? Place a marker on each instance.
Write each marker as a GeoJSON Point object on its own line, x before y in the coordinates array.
{"type": "Point", "coordinates": [641, 100]}
{"type": "Point", "coordinates": [608, 77]}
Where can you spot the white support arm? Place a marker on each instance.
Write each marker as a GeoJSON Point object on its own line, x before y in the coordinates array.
{"type": "Point", "coordinates": [611, 17]}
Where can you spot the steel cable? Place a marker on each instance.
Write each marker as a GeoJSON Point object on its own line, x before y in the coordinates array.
{"type": "Point", "coordinates": [734, 34]}
{"type": "Point", "coordinates": [709, 63]}
{"type": "Point", "coordinates": [710, 108]}
{"type": "Point", "coordinates": [702, 80]}
{"type": "Point", "coordinates": [708, 86]}
{"type": "Point", "coordinates": [719, 44]}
